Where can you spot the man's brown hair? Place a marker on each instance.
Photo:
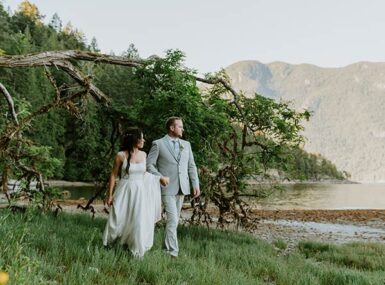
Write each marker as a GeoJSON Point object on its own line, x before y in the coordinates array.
{"type": "Point", "coordinates": [170, 121]}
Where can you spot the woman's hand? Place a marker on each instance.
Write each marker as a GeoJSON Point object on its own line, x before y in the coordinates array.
{"type": "Point", "coordinates": [164, 180]}
{"type": "Point", "coordinates": [109, 200]}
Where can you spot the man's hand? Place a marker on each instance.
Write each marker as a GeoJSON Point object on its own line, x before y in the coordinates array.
{"type": "Point", "coordinates": [164, 180]}
{"type": "Point", "coordinates": [196, 192]}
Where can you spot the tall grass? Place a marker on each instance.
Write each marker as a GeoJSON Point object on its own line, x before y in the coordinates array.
{"type": "Point", "coordinates": [38, 248]}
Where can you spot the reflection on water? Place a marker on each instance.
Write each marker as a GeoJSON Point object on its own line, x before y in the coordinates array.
{"type": "Point", "coordinates": [86, 192]}
{"type": "Point", "coordinates": [326, 196]}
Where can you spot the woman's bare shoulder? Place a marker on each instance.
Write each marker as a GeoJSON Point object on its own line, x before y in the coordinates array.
{"type": "Point", "coordinates": [121, 155]}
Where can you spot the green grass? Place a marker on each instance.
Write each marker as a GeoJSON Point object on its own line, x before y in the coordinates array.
{"type": "Point", "coordinates": [280, 244]}
{"type": "Point", "coordinates": [38, 248]}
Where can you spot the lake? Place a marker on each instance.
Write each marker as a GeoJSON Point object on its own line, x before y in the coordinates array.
{"type": "Point", "coordinates": [303, 196]}
{"type": "Point", "coordinates": [326, 196]}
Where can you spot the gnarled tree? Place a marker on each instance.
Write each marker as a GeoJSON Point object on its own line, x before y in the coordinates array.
{"type": "Point", "coordinates": [233, 136]}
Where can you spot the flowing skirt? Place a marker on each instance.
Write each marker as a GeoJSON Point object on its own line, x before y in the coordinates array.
{"type": "Point", "coordinates": [135, 210]}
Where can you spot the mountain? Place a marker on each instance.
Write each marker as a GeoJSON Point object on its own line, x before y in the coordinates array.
{"type": "Point", "coordinates": [347, 104]}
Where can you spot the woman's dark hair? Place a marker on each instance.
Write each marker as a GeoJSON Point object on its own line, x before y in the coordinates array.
{"type": "Point", "coordinates": [130, 139]}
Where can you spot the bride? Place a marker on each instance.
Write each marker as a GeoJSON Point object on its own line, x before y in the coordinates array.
{"type": "Point", "coordinates": [135, 204]}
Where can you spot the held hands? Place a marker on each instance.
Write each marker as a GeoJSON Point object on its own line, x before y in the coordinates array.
{"type": "Point", "coordinates": [164, 180]}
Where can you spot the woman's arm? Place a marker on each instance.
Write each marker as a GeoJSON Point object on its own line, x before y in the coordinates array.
{"type": "Point", "coordinates": [114, 173]}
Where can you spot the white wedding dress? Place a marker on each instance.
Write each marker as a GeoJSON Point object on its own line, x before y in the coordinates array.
{"type": "Point", "coordinates": [135, 210]}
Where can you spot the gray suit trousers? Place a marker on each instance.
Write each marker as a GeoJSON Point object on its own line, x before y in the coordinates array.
{"type": "Point", "coordinates": [173, 205]}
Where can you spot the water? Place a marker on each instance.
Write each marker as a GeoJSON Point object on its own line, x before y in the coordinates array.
{"type": "Point", "coordinates": [329, 197]}
{"type": "Point", "coordinates": [301, 196]}
{"type": "Point", "coordinates": [86, 192]}
{"type": "Point", "coordinates": [326, 196]}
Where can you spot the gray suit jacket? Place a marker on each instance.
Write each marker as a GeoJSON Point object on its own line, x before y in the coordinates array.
{"type": "Point", "coordinates": [180, 167]}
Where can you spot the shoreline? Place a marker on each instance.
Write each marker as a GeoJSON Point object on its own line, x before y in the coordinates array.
{"type": "Point", "coordinates": [288, 226]}
{"type": "Point", "coordinates": [249, 182]}
{"type": "Point", "coordinates": [252, 182]}
{"type": "Point", "coordinates": [64, 183]}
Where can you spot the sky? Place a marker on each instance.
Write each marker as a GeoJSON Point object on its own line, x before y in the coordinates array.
{"type": "Point", "coordinates": [216, 33]}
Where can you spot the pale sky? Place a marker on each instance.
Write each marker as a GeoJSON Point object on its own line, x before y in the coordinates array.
{"type": "Point", "coordinates": [217, 33]}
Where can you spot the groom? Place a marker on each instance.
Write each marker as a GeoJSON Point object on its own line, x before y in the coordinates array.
{"type": "Point", "coordinates": [171, 156]}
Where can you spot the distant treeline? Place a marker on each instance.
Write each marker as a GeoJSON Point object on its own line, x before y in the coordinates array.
{"type": "Point", "coordinates": [80, 142]}
{"type": "Point", "coordinates": [301, 165]}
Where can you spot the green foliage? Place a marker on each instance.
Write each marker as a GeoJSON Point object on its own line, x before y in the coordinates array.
{"type": "Point", "coordinates": [31, 155]}
{"type": "Point", "coordinates": [40, 158]}
{"type": "Point", "coordinates": [275, 120]}
{"type": "Point", "coordinates": [24, 33]}
{"type": "Point", "coordinates": [163, 90]}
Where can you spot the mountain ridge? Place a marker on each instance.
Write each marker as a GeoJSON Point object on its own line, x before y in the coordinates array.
{"type": "Point", "coordinates": [347, 124]}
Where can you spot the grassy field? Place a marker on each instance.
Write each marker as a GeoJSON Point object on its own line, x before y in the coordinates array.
{"type": "Point", "coordinates": [41, 249]}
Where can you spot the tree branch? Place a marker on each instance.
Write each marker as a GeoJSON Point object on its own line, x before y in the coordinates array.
{"type": "Point", "coordinates": [49, 57]}
{"type": "Point", "coordinates": [11, 131]}
{"type": "Point", "coordinates": [11, 105]}
{"type": "Point", "coordinates": [53, 83]}
{"type": "Point", "coordinates": [82, 80]}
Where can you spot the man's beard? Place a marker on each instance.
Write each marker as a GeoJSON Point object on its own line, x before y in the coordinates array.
{"type": "Point", "coordinates": [177, 135]}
